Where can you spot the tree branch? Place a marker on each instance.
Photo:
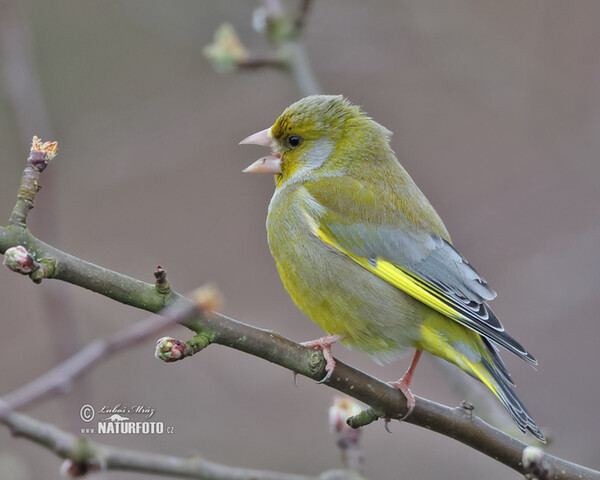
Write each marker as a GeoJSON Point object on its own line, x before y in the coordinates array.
{"type": "Point", "coordinates": [385, 401]}
{"type": "Point", "coordinates": [84, 456]}
{"type": "Point", "coordinates": [57, 379]}
{"type": "Point", "coordinates": [283, 32]}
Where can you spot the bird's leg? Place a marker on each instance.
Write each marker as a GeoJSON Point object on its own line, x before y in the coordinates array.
{"type": "Point", "coordinates": [404, 384]}
{"type": "Point", "coordinates": [324, 344]}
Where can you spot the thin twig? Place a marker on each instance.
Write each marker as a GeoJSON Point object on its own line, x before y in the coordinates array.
{"type": "Point", "coordinates": [260, 63]}
{"type": "Point", "coordinates": [86, 455]}
{"type": "Point", "coordinates": [228, 53]}
{"type": "Point", "coordinates": [59, 378]}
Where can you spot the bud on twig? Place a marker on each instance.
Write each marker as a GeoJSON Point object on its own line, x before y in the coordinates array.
{"type": "Point", "coordinates": [347, 438]}
{"type": "Point", "coordinates": [162, 283]}
{"type": "Point", "coordinates": [41, 153]}
{"type": "Point", "coordinates": [227, 50]}
{"type": "Point", "coordinates": [170, 349]}
{"type": "Point", "coordinates": [19, 260]}
{"type": "Point", "coordinates": [534, 463]}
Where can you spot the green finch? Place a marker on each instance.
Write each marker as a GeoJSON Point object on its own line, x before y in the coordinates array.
{"type": "Point", "coordinates": [363, 253]}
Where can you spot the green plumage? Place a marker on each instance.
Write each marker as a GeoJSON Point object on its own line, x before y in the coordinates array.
{"type": "Point", "coordinates": [364, 254]}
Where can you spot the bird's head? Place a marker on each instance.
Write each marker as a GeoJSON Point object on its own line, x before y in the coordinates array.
{"type": "Point", "coordinates": [318, 134]}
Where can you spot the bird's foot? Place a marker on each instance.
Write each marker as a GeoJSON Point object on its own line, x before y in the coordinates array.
{"type": "Point", "coordinates": [324, 344]}
{"type": "Point", "coordinates": [403, 385]}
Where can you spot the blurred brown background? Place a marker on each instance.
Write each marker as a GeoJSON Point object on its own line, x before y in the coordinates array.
{"type": "Point", "coordinates": [496, 112]}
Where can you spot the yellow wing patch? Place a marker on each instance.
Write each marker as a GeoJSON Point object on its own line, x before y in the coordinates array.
{"type": "Point", "coordinates": [402, 279]}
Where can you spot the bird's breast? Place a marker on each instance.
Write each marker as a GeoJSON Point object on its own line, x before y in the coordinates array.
{"type": "Point", "coordinates": [332, 289]}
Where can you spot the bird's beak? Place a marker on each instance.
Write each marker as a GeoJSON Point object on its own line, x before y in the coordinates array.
{"type": "Point", "coordinates": [268, 164]}
{"type": "Point", "coordinates": [259, 138]}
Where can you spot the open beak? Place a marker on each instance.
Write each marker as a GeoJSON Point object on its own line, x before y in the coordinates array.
{"type": "Point", "coordinates": [268, 164]}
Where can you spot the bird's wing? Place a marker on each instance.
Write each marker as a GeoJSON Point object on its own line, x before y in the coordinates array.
{"type": "Point", "coordinates": [424, 265]}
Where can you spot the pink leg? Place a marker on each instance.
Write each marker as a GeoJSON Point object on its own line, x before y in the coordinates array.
{"type": "Point", "coordinates": [404, 383]}
{"type": "Point", "coordinates": [324, 344]}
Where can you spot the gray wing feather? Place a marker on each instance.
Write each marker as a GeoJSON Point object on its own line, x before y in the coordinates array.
{"type": "Point", "coordinates": [434, 260]}
{"type": "Point", "coordinates": [429, 256]}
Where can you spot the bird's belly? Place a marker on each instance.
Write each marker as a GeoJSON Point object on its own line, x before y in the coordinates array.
{"type": "Point", "coordinates": [342, 297]}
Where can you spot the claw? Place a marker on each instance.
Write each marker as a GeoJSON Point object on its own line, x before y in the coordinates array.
{"type": "Point", "coordinates": [402, 385]}
{"type": "Point", "coordinates": [324, 344]}
{"type": "Point", "coordinates": [387, 425]}
{"type": "Point", "coordinates": [329, 364]}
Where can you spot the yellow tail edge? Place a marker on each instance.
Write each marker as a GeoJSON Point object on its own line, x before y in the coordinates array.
{"type": "Point", "coordinates": [467, 350]}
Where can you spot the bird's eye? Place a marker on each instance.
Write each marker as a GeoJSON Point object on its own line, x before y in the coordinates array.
{"type": "Point", "coordinates": [293, 141]}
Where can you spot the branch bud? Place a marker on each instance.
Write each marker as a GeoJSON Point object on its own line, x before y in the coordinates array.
{"type": "Point", "coordinates": [162, 283]}
{"type": "Point", "coordinates": [271, 20]}
{"type": "Point", "coordinates": [347, 438]}
{"type": "Point", "coordinates": [41, 153]}
{"type": "Point", "coordinates": [19, 260]}
{"type": "Point", "coordinates": [339, 412]}
{"type": "Point", "coordinates": [170, 349]}
{"type": "Point", "coordinates": [534, 463]}
{"type": "Point", "coordinates": [227, 50]}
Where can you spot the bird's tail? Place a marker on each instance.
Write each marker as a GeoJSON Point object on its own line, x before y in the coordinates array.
{"type": "Point", "coordinates": [479, 358]}
{"type": "Point", "coordinates": [492, 372]}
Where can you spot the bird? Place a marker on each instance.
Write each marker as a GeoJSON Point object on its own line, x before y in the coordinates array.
{"type": "Point", "coordinates": [363, 253]}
